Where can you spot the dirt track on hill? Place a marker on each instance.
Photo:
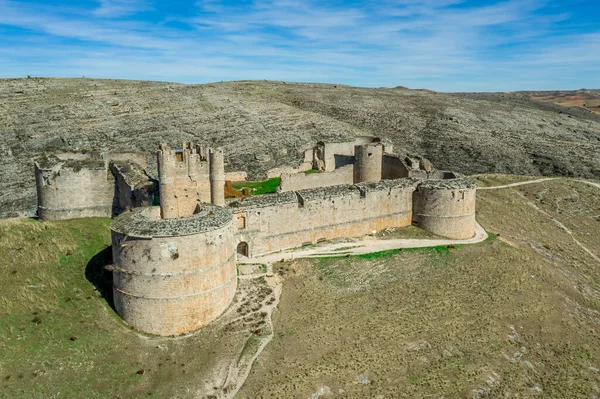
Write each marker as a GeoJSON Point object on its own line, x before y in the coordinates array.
{"type": "Point", "coordinates": [263, 125]}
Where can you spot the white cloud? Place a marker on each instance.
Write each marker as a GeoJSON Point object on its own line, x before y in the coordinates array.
{"type": "Point", "coordinates": [443, 45]}
{"type": "Point", "coordinates": [121, 8]}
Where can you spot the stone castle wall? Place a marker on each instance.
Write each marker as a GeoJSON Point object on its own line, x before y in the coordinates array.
{"type": "Point", "coordinates": [302, 181]}
{"type": "Point", "coordinates": [133, 188]}
{"type": "Point", "coordinates": [292, 219]}
{"type": "Point", "coordinates": [172, 276]}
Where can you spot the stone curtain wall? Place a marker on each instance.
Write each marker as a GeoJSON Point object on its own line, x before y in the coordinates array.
{"type": "Point", "coordinates": [173, 285]}
{"type": "Point", "coordinates": [301, 181]}
{"type": "Point", "coordinates": [67, 192]}
{"type": "Point", "coordinates": [133, 188]}
{"type": "Point", "coordinates": [325, 214]}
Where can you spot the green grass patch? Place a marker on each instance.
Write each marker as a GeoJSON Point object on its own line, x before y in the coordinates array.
{"type": "Point", "coordinates": [259, 187]}
{"type": "Point", "coordinates": [311, 171]}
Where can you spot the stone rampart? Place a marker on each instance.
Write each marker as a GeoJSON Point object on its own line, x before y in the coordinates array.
{"type": "Point", "coordinates": [172, 276]}
{"type": "Point", "coordinates": [292, 219]}
{"type": "Point", "coordinates": [446, 207]}
{"type": "Point", "coordinates": [303, 181]}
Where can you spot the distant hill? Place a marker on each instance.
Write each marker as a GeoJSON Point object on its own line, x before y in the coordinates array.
{"type": "Point", "coordinates": [264, 124]}
{"type": "Point", "coordinates": [583, 98]}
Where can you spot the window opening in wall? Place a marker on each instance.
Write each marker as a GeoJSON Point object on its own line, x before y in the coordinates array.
{"type": "Point", "coordinates": [242, 248]}
{"type": "Point", "coordinates": [241, 222]}
{"type": "Point", "coordinates": [370, 154]}
{"type": "Point", "coordinates": [179, 156]}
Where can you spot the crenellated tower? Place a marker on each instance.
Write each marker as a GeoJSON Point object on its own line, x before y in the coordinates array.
{"type": "Point", "coordinates": [189, 177]}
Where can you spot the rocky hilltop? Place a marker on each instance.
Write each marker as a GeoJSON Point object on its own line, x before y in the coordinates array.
{"type": "Point", "coordinates": [265, 124]}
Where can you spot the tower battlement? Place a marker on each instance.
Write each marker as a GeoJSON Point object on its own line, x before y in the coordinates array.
{"type": "Point", "coordinates": [188, 177]}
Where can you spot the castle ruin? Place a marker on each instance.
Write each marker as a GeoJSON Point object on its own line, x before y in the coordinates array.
{"type": "Point", "coordinates": [175, 265]}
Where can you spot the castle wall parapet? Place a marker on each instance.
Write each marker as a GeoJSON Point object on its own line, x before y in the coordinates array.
{"type": "Point", "coordinates": [302, 181]}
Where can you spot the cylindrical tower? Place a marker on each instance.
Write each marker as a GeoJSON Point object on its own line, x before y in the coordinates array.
{"type": "Point", "coordinates": [446, 207]}
{"type": "Point", "coordinates": [173, 276]}
{"type": "Point", "coordinates": [217, 176]}
{"type": "Point", "coordinates": [73, 188]}
{"type": "Point", "coordinates": [368, 160]}
{"type": "Point", "coordinates": [166, 177]}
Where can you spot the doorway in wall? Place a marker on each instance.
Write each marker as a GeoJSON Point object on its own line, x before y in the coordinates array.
{"type": "Point", "coordinates": [242, 248]}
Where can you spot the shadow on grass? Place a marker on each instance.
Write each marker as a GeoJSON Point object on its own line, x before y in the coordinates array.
{"type": "Point", "coordinates": [96, 273]}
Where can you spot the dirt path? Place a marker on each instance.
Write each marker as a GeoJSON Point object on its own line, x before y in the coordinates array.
{"type": "Point", "coordinates": [520, 183]}
{"type": "Point", "coordinates": [364, 247]}
{"type": "Point", "coordinates": [556, 222]}
{"type": "Point", "coordinates": [239, 370]}
{"type": "Point", "coordinates": [562, 226]}
{"type": "Point", "coordinates": [590, 183]}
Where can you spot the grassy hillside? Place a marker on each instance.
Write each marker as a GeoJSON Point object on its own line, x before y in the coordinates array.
{"type": "Point", "coordinates": [518, 314]}
{"type": "Point", "coordinates": [263, 125]}
{"type": "Point", "coordinates": [59, 336]}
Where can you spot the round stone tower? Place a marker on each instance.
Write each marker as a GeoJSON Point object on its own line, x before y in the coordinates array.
{"type": "Point", "coordinates": [368, 160]}
{"type": "Point", "coordinates": [446, 207]}
{"type": "Point", "coordinates": [217, 176]}
{"type": "Point", "coordinates": [173, 276]}
{"type": "Point", "coordinates": [73, 188]}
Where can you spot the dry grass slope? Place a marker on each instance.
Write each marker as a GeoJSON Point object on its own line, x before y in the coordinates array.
{"type": "Point", "coordinates": [59, 336]}
{"type": "Point", "coordinates": [518, 315]}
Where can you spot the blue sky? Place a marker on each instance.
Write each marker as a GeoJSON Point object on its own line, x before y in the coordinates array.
{"type": "Point", "coordinates": [445, 45]}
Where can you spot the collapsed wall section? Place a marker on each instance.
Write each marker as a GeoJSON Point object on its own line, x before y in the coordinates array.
{"type": "Point", "coordinates": [173, 276]}
{"type": "Point", "coordinates": [73, 188]}
{"type": "Point", "coordinates": [292, 219]}
{"type": "Point", "coordinates": [133, 187]}
{"type": "Point", "coordinates": [393, 167]}
{"type": "Point", "coordinates": [446, 207]}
